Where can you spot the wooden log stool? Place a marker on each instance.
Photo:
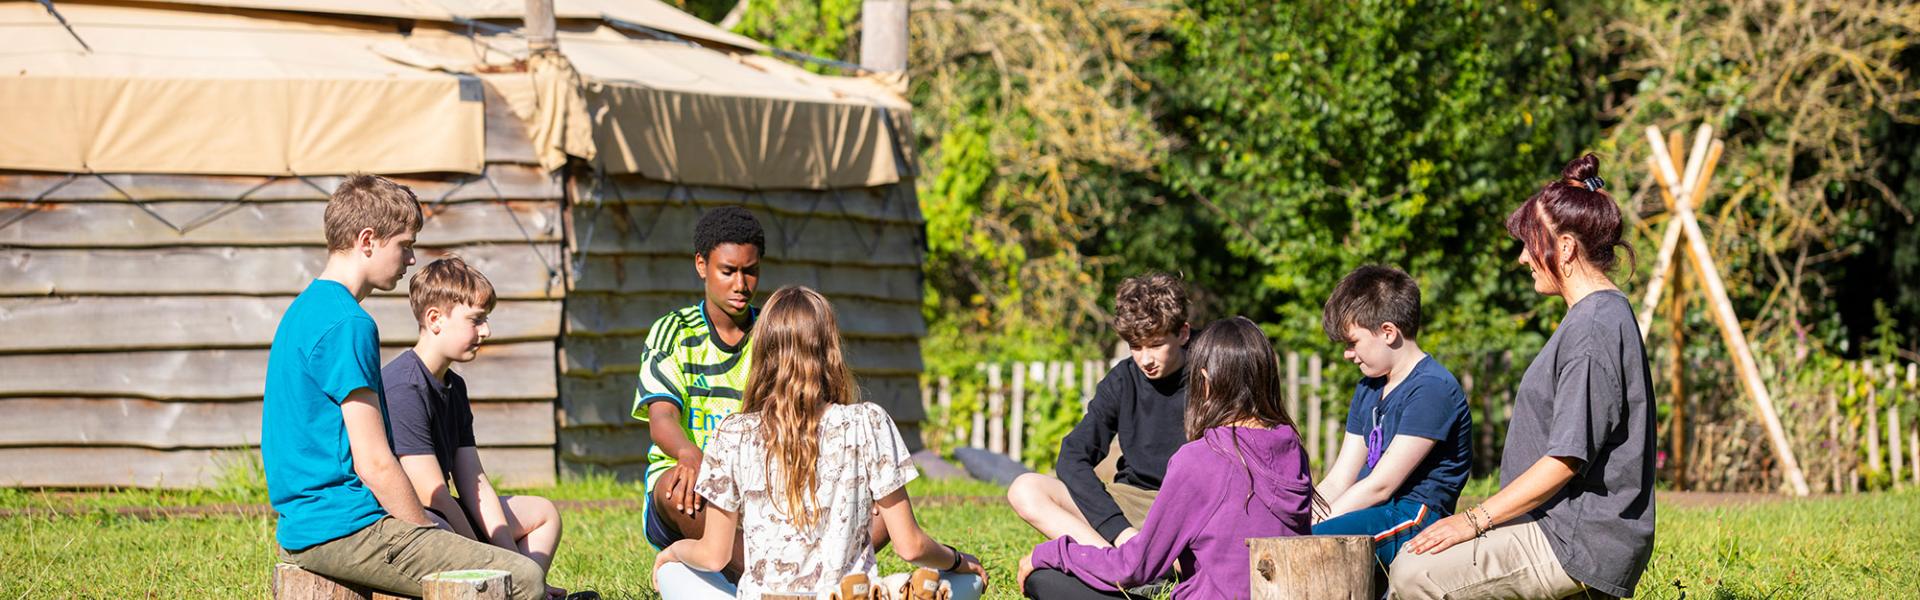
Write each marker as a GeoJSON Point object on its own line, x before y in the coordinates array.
{"type": "Point", "coordinates": [294, 583]}
{"type": "Point", "coordinates": [1312, 567]}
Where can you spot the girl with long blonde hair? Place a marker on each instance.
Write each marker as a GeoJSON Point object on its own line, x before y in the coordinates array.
{"type": "Point", "coordinates": [798, 472]}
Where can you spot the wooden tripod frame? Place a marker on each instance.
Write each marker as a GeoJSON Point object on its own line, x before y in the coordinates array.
{"type": "Point", "coordinates": [1680, 194]}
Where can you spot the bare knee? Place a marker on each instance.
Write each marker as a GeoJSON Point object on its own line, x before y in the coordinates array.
{"type": "Point", "coordinates": [1028, 495]}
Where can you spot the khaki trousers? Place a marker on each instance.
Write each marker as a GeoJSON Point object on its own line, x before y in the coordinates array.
{"type": "Point", "coordinates": [392, 555]}
{"type": "Point", "coordinates": [1513, 561]}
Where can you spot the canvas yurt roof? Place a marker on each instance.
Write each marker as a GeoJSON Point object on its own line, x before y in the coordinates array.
{"type": "Point", "coordinates": [322, 87]}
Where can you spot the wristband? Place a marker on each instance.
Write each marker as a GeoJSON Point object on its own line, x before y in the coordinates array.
{"type": "Point", "coordinates": [958, 559]}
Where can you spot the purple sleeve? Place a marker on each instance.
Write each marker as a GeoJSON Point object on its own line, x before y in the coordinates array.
{"type": "Point", "coordinates": [1173, 522]}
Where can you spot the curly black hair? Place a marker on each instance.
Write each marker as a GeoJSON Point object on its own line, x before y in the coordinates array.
{"type": "Point", "coordinates": [728, 225]}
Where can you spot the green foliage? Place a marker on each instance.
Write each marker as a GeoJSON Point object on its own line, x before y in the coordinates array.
{"type": "Point", "coordinates": [1374, 132]}
{"type": "Point", "coordinates": [822, 28]}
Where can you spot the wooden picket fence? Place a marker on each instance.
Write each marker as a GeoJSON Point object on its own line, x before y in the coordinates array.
{"type": "Point", "coordinates": [1842, 447]}
{"type": "Point", "coordinates": [1000, 424]}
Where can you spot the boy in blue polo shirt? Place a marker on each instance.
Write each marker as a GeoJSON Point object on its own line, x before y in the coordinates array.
{"type": "Point", "coordinates": [346, 509]}
{"type": "Point", "coordinates": [1406, 453]}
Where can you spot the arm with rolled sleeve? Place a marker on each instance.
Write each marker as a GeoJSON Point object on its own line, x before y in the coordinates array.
{"type": "Point", "coordinates": [1085, 447]}
{"type": "Point", "coordinates": [1173, 523]}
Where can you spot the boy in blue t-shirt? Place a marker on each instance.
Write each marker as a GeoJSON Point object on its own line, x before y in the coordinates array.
{"type": "Point", "coordinates": [1406, 453]}
{"type": "Point", "coordinates": [346, 509]}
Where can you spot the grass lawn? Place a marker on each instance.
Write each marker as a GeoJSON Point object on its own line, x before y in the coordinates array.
{"type": "Point", "coordinates": [1846, 547]}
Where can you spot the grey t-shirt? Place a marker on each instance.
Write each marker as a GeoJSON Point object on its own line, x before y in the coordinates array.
{"type": "Point", "coordinates": [1587, 397]}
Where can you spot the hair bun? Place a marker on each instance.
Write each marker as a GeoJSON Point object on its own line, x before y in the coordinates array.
{"type": "Point", "coordinates": [1581, 169]}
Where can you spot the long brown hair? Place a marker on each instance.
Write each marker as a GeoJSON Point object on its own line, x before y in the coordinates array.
{"type": "Point", "coordinates": [1233, 377]}
{"type": "Point", "coordinates": [1235, 355]}
{"type": "Point", "coordinates": [796, 371]}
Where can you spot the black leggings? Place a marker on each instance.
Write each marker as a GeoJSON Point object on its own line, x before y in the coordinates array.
{"type": "Point", "coordinates": [1049, 584]}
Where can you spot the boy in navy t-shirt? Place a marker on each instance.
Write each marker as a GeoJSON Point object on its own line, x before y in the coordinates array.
{"type": "Point", "coordinates": [1406, 453]}
{"type": "Point", "coordinates": [346, 509]}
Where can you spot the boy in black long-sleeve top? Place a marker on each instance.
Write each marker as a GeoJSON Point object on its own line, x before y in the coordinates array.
{"type": "Point", "coordinates": [1143, 400]}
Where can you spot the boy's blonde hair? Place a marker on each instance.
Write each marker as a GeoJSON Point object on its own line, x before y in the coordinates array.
{"type": "Point", "coordinates": [370, 202]}
{"type": "Point", "coordinates": [446, 283]}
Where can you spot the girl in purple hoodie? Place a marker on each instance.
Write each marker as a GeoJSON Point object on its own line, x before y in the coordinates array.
{"type": "Point", "coordinates": [1243, 475]}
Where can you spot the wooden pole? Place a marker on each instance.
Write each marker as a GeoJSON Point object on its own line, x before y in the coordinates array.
{"type": "Point", "coordinates": [1332, 449]}
{"type": "Point", "coordinates": [540, 26]}
{"type": "Point", "coordinates": [1312, 567]}
{"type": "Point", "coordinates": [1015, 420]}
{"type": "Point", "coordinates": [883, 35]}
{"type": "Point", "coordinates": [1313, 407]}
{"type": "Point", "coordinates": [1893, 445]}
{"type": "Point", "coordinates": [1730, 329]}
{"type": "Point", "coordinates": [1677, 380]}
{"type": "Point", "coordinates": [1873, 418]}
{"type": "Point", "coordinates": [945, 398]}
{"type": "Point", "coordinates": [1834, 442]}
{"type": "Point", "coordinates": [996, 411]}
{"type": "Point", "coordinates": [1293, 385]}
{"type": "Point", "coordinates": [978, 434]}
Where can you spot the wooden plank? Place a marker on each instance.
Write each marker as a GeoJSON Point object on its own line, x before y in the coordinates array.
{"type": "Point", "coordinates": [513, 181]}
{"type": "Point", "coordinates": [518, 271]}
{"type": "Point", "coordinates": [48, 325]}
{"type": "Point", "coordinates": [114, 467]}
{"type": "Point", "coordinates": [626, 274]}
{"type": "Point", "coordinates": [621, 354]}
{"type": "Point", "coordinates": [519, 467]}
{"type": "Point", "coordinates": [607, 401]}
{"type": "Point", "coordinates": [125, 225]}
{"type": "Point", "coordinates": [816, 238]}
{"type": "Point", "coordinates": [502, 372]}
{"type": "Point", "coordinates": [604, 314]}
{"type": "Point", "coordinates": [167, 425]}
{"type": "Point", "coordinates": [629, 472]}
{"type": "Point", "coordinates": [475, 584]}
{"type": "Point", "coordinates": [605, 445]}
{"type": "Point", "coordinates": [890, 203]}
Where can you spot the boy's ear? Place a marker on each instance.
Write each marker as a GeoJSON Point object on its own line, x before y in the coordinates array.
{"type": "Point", "coordinates": [1186, 333]}
{"type": "Point", "coordinates": [1392, 333]}
{"type": "Point", "coordinates": [365, 241]}
{"type": "Point", "coordinates": [430, 320]}
{"type": "Point", "coordinates": [700, 265]}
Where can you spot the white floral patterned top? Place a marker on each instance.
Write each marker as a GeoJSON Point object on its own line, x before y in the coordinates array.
{"type": "Point", "coordinates": [862, 458]}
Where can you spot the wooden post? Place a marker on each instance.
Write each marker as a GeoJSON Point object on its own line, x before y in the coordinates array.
{"type": "Point", "coordinates": [996, 412]}
{"type": "Point", "coordinates": [1873, 418]}
{"type": "Point", "coordinates": [477, 584]}
{"type": "Point", "coordinates": [1017, 420]}
{"type": "Point", "coordinates": [1677, 378]}
{"type": "Point", "coordinates": [1730, 329]}
{"type": "Point", "coordinates": [1893, 445]}
{"type": "Point", "coordinates": [945, 398]}
{"type": "Point", "coordinates": [1293, 385]}
{"type": "Point", "coordinates": [1332, 450]}
{"type": "Point", "coordinates": [1312, 567]}
{"type": "Point", "coordinates": [1313, 407]}
{"type": "Point", "coordinates": [1090, 373]}
{"type": "Point", "coordinates": [883, 35]}
{"type": "Point", "coordinates": [1834, 442]}
{"type": "Point", "coordinates": [294, 583]}
{"type": "Point", "coordinates": [978, 434]}
{"type": "Point", "coordinates": [1069, 380]}
{"type": "Point", "coordinates": [540, 25]}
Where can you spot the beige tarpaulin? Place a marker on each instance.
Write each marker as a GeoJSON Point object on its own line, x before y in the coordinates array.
{"type": "Point", "coordinates": [651, 13]}
{"type": "Point", "coordinates": [168, 91]}
{"type": "Point", "coordinates": [216, 87]}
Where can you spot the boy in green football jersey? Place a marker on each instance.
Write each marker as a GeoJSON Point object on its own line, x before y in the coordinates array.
{"type": "Point", "coordinates": [695, 370]}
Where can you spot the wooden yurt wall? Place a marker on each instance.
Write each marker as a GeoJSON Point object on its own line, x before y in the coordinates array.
{"type": "Point", "coordinates": [136, 312]}
{"type": "Point", "coordinates": [632, 243]}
